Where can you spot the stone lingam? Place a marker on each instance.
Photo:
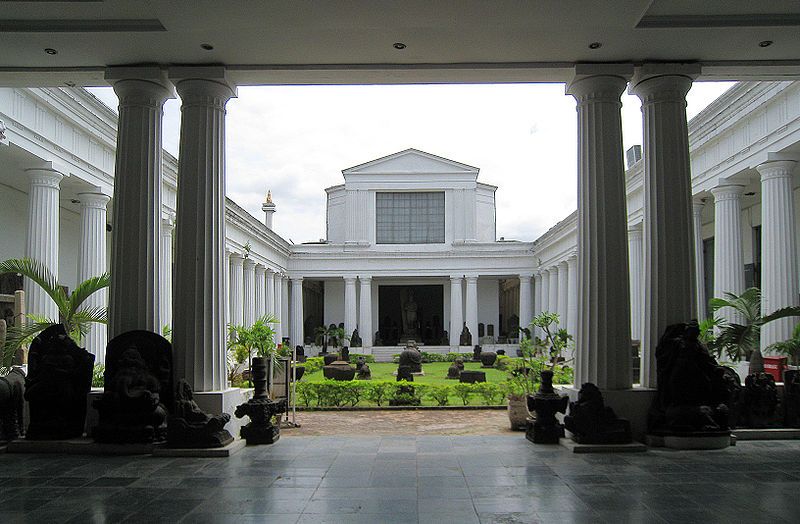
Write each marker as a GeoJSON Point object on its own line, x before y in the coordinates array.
{"type": "Point", "coordinates": [189, 427]}
{"type": "Point", "coordinates": [488, 358]}
{"type": "Point", "coordinates": [545, 429]}
{"type": "Point", "coordinates": [592, 422]}
{"type": "Point", "coordinates": [12, 404]}
{"type": "Point", "coordinates": [261, 409]}
{"type": "Point", "coordinates": [58, 382]}
{"type": "Point", "coordinates": [138, 389]}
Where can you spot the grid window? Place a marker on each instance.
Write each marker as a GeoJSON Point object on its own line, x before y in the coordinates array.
{"type": "Point", "coordinates": [409, 218]}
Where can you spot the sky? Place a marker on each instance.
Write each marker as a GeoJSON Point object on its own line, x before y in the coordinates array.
{"type": "Point", "coordinates": [296, 140]}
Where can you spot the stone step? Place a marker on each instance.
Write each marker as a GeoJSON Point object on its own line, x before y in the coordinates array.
{"type": "Point", "coordinates": [767, 434]}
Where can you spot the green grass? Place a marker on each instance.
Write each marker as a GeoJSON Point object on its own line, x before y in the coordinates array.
{"type": "Point", "coordinates": [435, 373]}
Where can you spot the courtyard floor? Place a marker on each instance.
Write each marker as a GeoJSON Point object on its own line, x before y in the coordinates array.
{"type": "Point", "coordinates": [399, 479]}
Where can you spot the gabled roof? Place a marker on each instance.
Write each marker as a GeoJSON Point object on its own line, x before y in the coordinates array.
{"type": "Point", "coordinates": [411, 161]}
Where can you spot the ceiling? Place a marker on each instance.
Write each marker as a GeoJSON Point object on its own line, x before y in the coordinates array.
{"type": "Point", "coordinates": [306, 41]}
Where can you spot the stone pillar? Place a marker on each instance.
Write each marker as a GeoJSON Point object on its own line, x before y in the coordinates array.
{"type": "Point", "coordinates": [350, 305]}
{"type": "Point", "coordinates": [669, 283]}
{"type": "Point", "coordinates": [286, 318]}
{"type": "Point", "coordinates": [261, 287]}
{"type": "Point", "coordinates": [538, 298]}
{"type": "Point", "coordinates": [165, 265]}
{"type": "Point", "coordinates": [563, 293]}
{"type": "Point", "coordinates": [603, 338]}
{"type": "Point", "coordinates": [552, 289]}
{"type": "Point", "coordinates": [365, 311]}
{"type": "Point", "coordinates": [456, 312]}
{"type": "Point", "coordinates": [699, 270]}
{"type": "Point", "coordinates": [135, 242]}
{"type": "Point", "coordinates": [43, 237]}
{"type": "Point", "coordinates": [228, 286]}
{"type": "Point", "coordinates": [471, 307]}
{"type": "Point", "coordinates": [92, 263]}
{"type": "Point", "coordinates": [249, 294]}
{"type": "Point", "coordinates": [635, 260]}
{"type": "Point", "coordinates": [297, 312]}
{"type": "Point", "coordinates": [779, 277]}
{"type": "Point", "coordinates": [572, 301]}
{"type": "Point", "coordinates": [236, 289]}
{"type": "Point", "coordinates": [525, 302]}
{"type": "Point", "coordinates": [545, 308]}
{"type": "Point", "coordinates": [269, 294]}
{"type": "Point", "coordinates": [282, 327]}
{"type": "Point", "coordinates": [728, 253]}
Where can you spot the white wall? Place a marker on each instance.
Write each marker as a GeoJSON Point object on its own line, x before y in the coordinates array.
{"type": "Point", "coordinates": [334, 302]}
{"type": "Point", "coordinates": [69, 245]}
{"type": "Point", "coordinates": [489, 303]}
{"type": "Point", "coordinates": [13, 222]}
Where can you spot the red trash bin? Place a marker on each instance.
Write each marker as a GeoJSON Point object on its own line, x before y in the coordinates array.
{"type": "Point", "coordinates": [775, 367]}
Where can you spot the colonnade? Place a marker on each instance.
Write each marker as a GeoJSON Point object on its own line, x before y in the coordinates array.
{"type": "Point", "coordinates": [255, 290]}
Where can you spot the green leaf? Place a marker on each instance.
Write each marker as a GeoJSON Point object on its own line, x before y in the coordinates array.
{"type": "Point", "coordinates": [41, 276]}
{"type": "Point", "coordinates": [86, 289]}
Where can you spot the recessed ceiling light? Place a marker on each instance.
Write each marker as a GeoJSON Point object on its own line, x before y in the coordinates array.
{"type": "Point", "coordinates": [69, 84]}
{"type": "Point", "coordinates": [75, 201]}
{"type": "Point", "coordinates": [50, 51]}
{"type": "Point", "coordinates": [595, 45]}
{"type": "Point", "coordinates": [399, 45]}
{"type": "Point", "coordinates": [765, 43]}
{"type": "Point", "coordinates": [207, 47]}
{"type": "Point", "coordinates": [750, 193]}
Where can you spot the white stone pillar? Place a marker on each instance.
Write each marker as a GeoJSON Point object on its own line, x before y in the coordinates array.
{"type": "Point", "coordinates": [92, 263]}
{"type": "Point", "coordinates": [365, 311]}
{"type": "Point", "coordinates": [135, 242]}
{"type": "Point", "coordinates": [552, 289]}
{"type": "Point", "coordinates": [249, 294]}
{"type": "Point", "coordinates": [603, 338]}
{"type": "Point", "coordinates": [228, 286]}
{"type": "Point", "coordinates": [165, 265]}
{"type": "Point", "coordinates": [563, 293]}
{"type": "Point", "coordinates": [538, 300]}
{"type": "Point", "coordinates": [236, 289]}
{"type": "Point", "coordinates": [669, 284]}
{"type": "Point", "coordinates": [572, 300]}
{"type": "Point", "coordinates": [699, 270]}
{"type": "Point", "coordinates": [43, 237]}
{"type": "Point", "coordinates": [297, 311]}
{"type": "Point", "coordinates": [545, 292]}
{"type": "Point", "coordinates": [728, 253]}
{"type": "Point", "coordinates": [285, 306]}
{"type": "Point", "coordinates": [779, 277]}
{"type": "Point", "coordinates": [261, 288]}
{"type": "Point", "coordinates": [525, 302]}
{"type": "Point", "coordinates": [282, 327]}
{"type": "Point", "coordinates": [471, 307]}
{"type": "Point", "coordinates": [456, 311]}
{"type": "Point", "coordinates": [635, 260]}
{"type": "Point", "coordinates": [350, 305]}
{"type": "Point", "coordinates": [269, 294]}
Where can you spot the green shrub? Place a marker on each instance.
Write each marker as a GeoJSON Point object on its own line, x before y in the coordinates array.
{"type": "Point", "coordinates": [306, 392]}
{"type": "Point", "coordinates": [396, 358]}
{"type": "Point", "coordinates": [314, 364]}
{"type": "Point", "coordinates": [464, 391]}
{"type": "Point", "coordinates": [490, 392]}
{"type": "Point", "coordinates": [352, 392]}
{"type": "Point", "coordinates": [98, 378]}
{"type": "Point", "coordinates": [440, 394]}
{"type": "Point", "coordinates": [503, 362]}
{"type": "Point", "coordinates": [378, 392]}
{"type": "Point", "coordinates": [563, 375]}
{"type": "Point", "coordinates": [369, 359]}
{"type": "Point", "coordinates": [332, 393]}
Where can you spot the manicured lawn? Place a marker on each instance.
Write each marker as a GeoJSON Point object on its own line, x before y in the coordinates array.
{"type": "Point", "coordinates": [435, 373]}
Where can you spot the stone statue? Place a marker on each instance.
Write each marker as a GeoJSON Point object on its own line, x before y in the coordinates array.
{"type": "Point", "coordinates": [58, 382]}
{"type": "Point", "coordinates": [545, 429]}
{"type": "Point", "coordinates": [362, 369]}
{"type": "Point", "coordinates": [409, 314]}
{"type": "Point", "coordinates": [300, 352]}
{"type": "Point", "coordinates": [488, 358]}
{"type": "Point", "coordinates": [404, 373]}
{"type": "Point", "coordinates": [760, 400]}
{"type": "Point", "coordinates": [378, 341]}
{"type": "Point", "coordinates": [189, 427]}
{"type": "Point", "coordinates": [454, 371]}
{"type": "Point", "coordinates": [138, 387]}
{"type": "Point", "coordinates": [355, 340]}
{"type": "Point", "coordinates": [466, 337]}
{"type": "Point", "coordinates": [344, 354]}
{"type": "Point", "coordinates": [339, 370]}
{"type": "Point", "coordinates": [12, 404]}
{"type": "Point", "coordinates": [411, 357]}
{"type": "Point", "coordinates": [260, 409]}
{"type": "Point", "coordinates": [445, 338]}
{"type": "Point", "coordinates": [592, 422]}
{"type": "Point", "coordinates": [476, 353]}
{"type": "Point", "coordinates": [791, 398]}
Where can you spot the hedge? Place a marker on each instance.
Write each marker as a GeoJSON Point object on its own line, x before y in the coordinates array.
{"type": "Point", "coordinates": [437, 357]}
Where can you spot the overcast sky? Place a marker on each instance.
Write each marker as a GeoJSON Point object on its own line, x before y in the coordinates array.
{"type": "Point", "coordinates": [296, 140]}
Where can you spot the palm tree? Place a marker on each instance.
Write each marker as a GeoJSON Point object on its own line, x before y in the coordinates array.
{"type": "Point", "coordinates": [743, 340]}
{"type": "Point", "coordinates": [790, 348]}
{"type": "Point", "coordinates": [77, 320]}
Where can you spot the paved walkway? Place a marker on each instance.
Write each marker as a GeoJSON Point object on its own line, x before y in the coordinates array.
{"type": "Point", "coordinates": [425, 479]}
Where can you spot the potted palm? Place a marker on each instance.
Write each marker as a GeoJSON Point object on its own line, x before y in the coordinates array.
{"type": "Point", "coordinates": [258, 343]}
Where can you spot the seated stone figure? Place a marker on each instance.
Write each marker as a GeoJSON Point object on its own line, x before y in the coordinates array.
{"type": "Point", "coordinates": [592, 422]}
{"type": "Point", "coordinates": [411, 357]}
{"type": "Point", "coordinates": [138, 387]}
{"type": "Point", "coordinates": [12, 404]}
{"type": "Point", "coordinates": [760, 400]}
{"type": "Point", "coordinates": [362, 369]}
{"type": "Point", "coordinates": [189, 427]}
{"type": "Point", "coordinates": [58, 382]}
{"type": "Point", "coordinates": [455, 369]}
{"type": "Point", "coordinates": [355, 339]}
{"type": "Point", "coordinates": [466, 337]}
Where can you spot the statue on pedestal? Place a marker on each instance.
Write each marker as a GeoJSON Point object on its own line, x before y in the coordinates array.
{"type": "Point", "coordinates": [355, 340]}
{"type": "Point", "coordinates": [592, 422]}
{"type": "Point", "coordinates": [261, 409]}
{"type": "Point", "coordinates": [411, 357]}
{"type": "Point", "coordinates": [409, 317]}
{"type": "Point", "coordinates": [466, 337]}
{"type": "Point", "coordinates": [545, 429]}
{"type": "Point", "coordinates": [12, 404]}
{"type": "Point", "coordinates": [189, 427]}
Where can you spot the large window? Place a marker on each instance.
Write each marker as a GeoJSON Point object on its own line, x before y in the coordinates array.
{"type": "Point", "coordinates": [409, 218]}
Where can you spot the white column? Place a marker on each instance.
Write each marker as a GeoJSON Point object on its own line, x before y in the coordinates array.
{"type": "Point", "coordinates": [635, 260]}
{"type": "Point", "coordinates": [471, 307]}
{"type": "Point", "coordinates": [603, 338]}
{"type": "Point", "coordinates": [552, 289]}
{"type": "Point", "coordinates": [92, 263]}
{"type": "Point", "coordinates": [167, 227]}
{"type": "Point", "coordinates": [236, 288]}
{"type": "Point", "coordinates": [728, 253]}
{"type": "Point", "coordinates": [350, 305]}
{"type": "Point", "coordinates": [669, 294]}
{"type": "Point", "coordinates": [261, 287]}
{"type": "Point", "coordinates": [779, 277]}
{"type": "Point", "coordinates": [285, 306]}
{"type": "Point", "coordinates": [572, 300]}
{"type": "Point", "coordinates": [282, 326]}
{"type": "Point", "coordinates": [545, 291]}
{"type": "Point", "coordinates": [538, 299]}
{"type": "Point", "coordinates": [365, 311]}
{"type": "Point", "coordinates": [269, 294]}
{"type": "Point", "coordinates": [135, 242]}
{"type": "Point", "coordinates": [699, 270]}
{"type": "Point", "coordinates": [525, 302]}
{"type": "Point", "coordinates": [456, 311]}
{"type": "Point", "coordinates": [249, 294]}
{"type": "Point", "coordinates": [297, 312]}
{"type": "Point", "coordinates": [563, 294]}
{"type": "Point", "coordinates": [227, 291]}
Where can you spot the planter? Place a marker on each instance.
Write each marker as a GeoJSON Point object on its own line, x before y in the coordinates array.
{"type": "Point", "coordinates": [518, 413]}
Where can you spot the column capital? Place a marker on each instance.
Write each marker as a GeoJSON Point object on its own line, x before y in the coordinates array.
{"type": "Point", "coordinates": [349, 279]}
{"type": "Point", "coordinates": [296, 279]}
{"type": "Point", "coordinates": [697, 205]}
{"type": "Point", "coordinates": [94, 200]}
{"type": "Point", "coordinates": [662, 82]}
{"type": "Point", "coordinates": [572, 259]}
{"type": "Point", "coordinates": [525, 276]}
{"type": "Point", "coordinates": [167, 224]}
{"type": "Point", "coordinates": [192, 82]}
{"type": "Point", "coordinates": [471, 278]}
{"type": "Point", "coordinates": [44, 176]}
{"type": "Point", "coordinates": [237, 259]}
{"type": "Point", "coordinates": [268, 270]}
{"type": "Point", "coordinates": [599, 82]}
{"type": "Point", "coordinates": [727, 192]}
{"type": "Point", "coordinates": [153, 75]}
{"type": "Point", "coordinates": [260, 268]}
{"type": "Point", "coordinates": [456, 278]}
{"type": "Point", "coordinates": [249, 263]}
{"type": "Point", "coordinates": [365, 278]}
{"type": "Point", "coordinates": [776, 169]}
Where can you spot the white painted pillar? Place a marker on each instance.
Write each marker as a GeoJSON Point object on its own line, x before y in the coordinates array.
{"type": "Point", "coordinates": [285, 307]}
{"type": "Point", "coordinates": [365, 311]}
{"type": "Point", "coordinates": [350, 305]}
{"type": "Point", "coordinates": [603, 345]}
{"type": "Point", "coordinates": [572, 300]}
{"type": "Point", "coordinates": [669, 284]}
{"type": "Point", "coordinates": [563, 293]}
{"type": "Point", "coordinates": [261, 288]}
{"type": "Point", "coordinates": [92, 263]}
{"type": "Point", "coordinates": [297, 311]}
{"type": "Point", "coordinates": [525, 302]}
{"type": "Point", "coordinates": [135, 242]}
{"type": "Point", "coordinates": [227, 291]}
{"type": "Point", "coordinates": [165, 265]}
{"type": "Point", "coordinates": [635, 261]}
{"type": "Point", "coordinates": [779, 277]}
{"type": "Point", "coordinates": [728, 252]}
{"type": "Point", "coordinates": [699, 270]}
{"type": "Point", "coordinates": [471, 307]}
{"type": "Point", "coordinates": [249, 294]}
{"type": "Point", "coordinates": [282, 327]}
{"type": "Point", "coordinates": [456, 312]}
{"type": "Point", "coordinates": [538, 300]}
{"type": "Point", "coordinates": [236, 289]}
{"type": "Point", "coordinates": [269, 293]}
{"type": "Point", "coordinates": [552, 289]}
{"type": "Point", "coordinates": [545, 292]}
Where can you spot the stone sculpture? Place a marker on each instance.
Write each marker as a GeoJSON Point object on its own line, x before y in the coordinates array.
{"type": "Point", "coordinates": [362, 369]}
{"type": "Point", "coordinates": [339, 370]}
{"type": "Point", "coordinates": [454, 371]}
{"type": "Point", "coordinates": [330, 358]}
{"type": "Point", "coordinates": [404, 373]}
{"type": "Point", "coordinates": [488, 358]}
{"type": "Point", "coordinates": [791, 398]}
{"type": "Point", "coordinates": [466, 337]}
{"type": "Point", "coordinates": [378, 340]}
{"type": "Point", "coordinates": [58, 382]}
{"type": "Point", "coordinates": [138, 389]}
{"type": "Point", "coordinates": [261, 409]}
{"type": "Point", "coordinates": [12, 404]}
{"type": "Point", "coordinates": [733, 400]}
{"type": "Point", "coordinates": [760, 400]}
{"type": "Point", "coordinates": [545, 429]}
{"type": "Point", "coordinates": [300, 353]}
{"type": "Point", "coordinates": [411, 357]}
{"type": "Point", "coordinates": [355, 339]}
{"type": "Point", "coordinates": [445, 339]}
{"type": "Point", "coordinates": [189, 427]}
{"type": "Point", "coordinates": [592, 422]}
{"type": "Point", "coordinates": [344, 354]}
{"type": "Point", "coordinates": [471, 377]}
{"type": "Point", "coordinates": [476, 353]}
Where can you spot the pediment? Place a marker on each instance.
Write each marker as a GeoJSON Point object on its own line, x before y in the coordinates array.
{"type": "Point", "coordinates": [411, 161]}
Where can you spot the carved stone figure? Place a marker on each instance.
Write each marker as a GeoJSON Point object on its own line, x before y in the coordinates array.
{"type": "Point", "coordinates": [404, 373]}
{"type": "Point", "coordinates": [378, 340]}
{"type": "Point", "coordinates": [189, 427]}
{"type": "Point", "coordinates": [791, 398]}
{"type": "Point", "coordinates": [261, 409]}
{"type": "Point", "coordinates": [12, 404]}
{"type": "Point", "coordinates": [362, 369]}
{"type": "Point", "coordinates": [339, 370]}
{"type": "Point", "coordinates": [58, 382]}
{"type": "Point", "coordinates": [411, 357]}
{"type": "Point", "coordinates": [138, 387]}
{"type": "Point", "coordinates": [488, 359]}
{"type": "Point", "coordinates": [330, 358]}
{"type": "Point", "coordinates": [760, 400]}
{"type": "Point", "coordinates": [476, 353]}
{"type": "Point", "coordinates": [445, 339]}
{"type": "Point", "coordinates": [733, 400]}
{"type": "Point", "coordinates": [454, 371]}
{"type": "Point", "coordinates": [355, 340]}
{"type": "Point", "coordinates": [409, 314]}
{"type": "Point", "coordinates": [592, 422]}
{"type": "Point", "coordinates": [301, 353]}
{"type": "Point", "coordinates": [545, 429]}
{"type": "Point", "coordinates": [466, 337]}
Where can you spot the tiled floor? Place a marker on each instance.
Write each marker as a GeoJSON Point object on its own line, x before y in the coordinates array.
{"type": "Point", "coordinates": [436, 479]}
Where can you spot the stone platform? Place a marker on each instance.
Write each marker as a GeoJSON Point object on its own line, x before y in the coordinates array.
{"type": "Point", "coordinates": [767, 434]}
{"type": "Point", "coordinates": [226, 451]}
{"type": "Point", "coordinates": [687, 442]}
{"type": "Point", "coordinates": [633, 447]}
{"type": "Point", "coordinates": [78, 446]}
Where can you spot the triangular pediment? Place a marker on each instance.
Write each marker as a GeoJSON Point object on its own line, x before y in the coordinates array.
{"type": "Point", "coordinates": [411, 161]}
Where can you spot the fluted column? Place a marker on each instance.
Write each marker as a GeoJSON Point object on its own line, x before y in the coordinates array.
{"type": "Point", "coordinates": [285, 316]}
{"type": "Point", "coordinates": [471, 307]}
{"type": "Point", "coordinates": [456, 312]}
{"type": "Point", "coordinates": [135, 243]}
{"type": "Point", "coordinates": [538, 302]}
{"type": "Point", "coordinates": [249, 294]}
{"type": "Point", "coordinates": [43, 237]}
{"type": "Point", "coordinates": [297, 312]}
{"type": "Point", "coordinates": [227, 291]}
{"type": "Point", "coordinates": [167, 227]}
{"type": "Point", "coordinates": [728, 253]}
{"type": "Point", "coordinates": [635, 260]}
{"type": "Point", "coordinates": [552, 289]}
{"type": "Point", "coordinates": [572, 301]}
{"type": "Point", "coordinates": [563, 293]}
{"type": "Point", "coordinates": [92, 263]}
{"type": "Point", "coordinates": [282, 327]}
{"type": "Point", "coordinates": [365, 311]}
{"type": "Point", "coordinates": [260, 290]}
{"type": "Point", "coordinates": [236, 289]}
{"type": "Point", "coordinates": [545, 291]}
{"type": "Point", "coordinates": [603, 338]}
{"type": "Point", "coordinates": [350, 305]}
{"type": "Point", "coordinates": [779, 277]}
{"type": "Point", "coordinates": [525, 302]}
{"type": "Point", "coordinates": [269, 294]}
{"type": "Point", "coordinates": [699, 270]}
{"type": "Point", "coordinates": [669, 284]}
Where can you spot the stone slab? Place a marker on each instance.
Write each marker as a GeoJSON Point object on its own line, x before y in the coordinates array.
{"type": "Point", "coordinates": [633, 447]}
{"type": "Point", "coordinates": [681, 442]}
{"type": "Point", "coordinates": [78, 446]}
{"type": "Point", "coordinates": [767, 434]}
{"type": "Point", "coordinates": [226, 451]}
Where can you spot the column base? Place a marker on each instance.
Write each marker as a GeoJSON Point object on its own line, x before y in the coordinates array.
{"type": "Point", "coordinates": [632, 404]}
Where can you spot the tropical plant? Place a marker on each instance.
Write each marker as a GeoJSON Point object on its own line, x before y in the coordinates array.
{"type": "Point", "coordinates": [707, 327]}
{"type": "Point", "coordinates": [76, 318]}
{"type": "Point", "coordinates": [558, 340]}
{"type": "Point", "coordinates": [790, 347]}
{"type": "Point", "coordinates": [256, 340]}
